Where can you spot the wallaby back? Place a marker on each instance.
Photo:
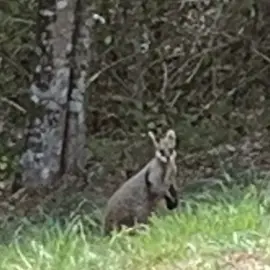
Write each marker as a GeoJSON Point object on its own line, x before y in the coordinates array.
{"type": "Point", "coordinates": [135, 200]}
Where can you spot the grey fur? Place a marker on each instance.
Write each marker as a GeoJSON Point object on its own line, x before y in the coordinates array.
{"type": "Point", "coordinates": [137, 198]}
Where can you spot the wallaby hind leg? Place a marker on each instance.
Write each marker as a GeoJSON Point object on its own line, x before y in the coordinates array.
{"type": "Point", "coordinates": [127, 221]}
{"type": "Point", "coordinates": [132, 225]}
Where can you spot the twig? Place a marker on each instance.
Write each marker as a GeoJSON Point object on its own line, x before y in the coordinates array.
{"type": "Point", "coordinates": [176, 97]}
{"type": "Point", "coordinates": [165, 80]}
{"type": "Point", "coordinates": [97, 74]}
{"type": "Point", "coordinates": [195, 70]}
{"type": "Point", "coordinates": [265, 57]}
{"type": "Point", "coordinates": [13, 63]}
{"type": "Point", "coordinates": [195, 56]}
{"type": "Point", "coordinates": [13, 104]}
{"type": "Point", "coordinates": [119, 80]}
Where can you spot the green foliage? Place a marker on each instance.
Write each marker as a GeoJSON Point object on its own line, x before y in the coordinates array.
{"type": "Point", "coordinates": [201, 68]}
{"type": "Point", "coordinates": [17, 26]}
{"type": "Point", "coordinates": [198, 67]}
{"type": "Point", "coordinates": [217, 228]}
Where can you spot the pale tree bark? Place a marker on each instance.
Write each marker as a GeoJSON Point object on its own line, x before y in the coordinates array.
{"type": "Point", "coordinates": [55, 136]}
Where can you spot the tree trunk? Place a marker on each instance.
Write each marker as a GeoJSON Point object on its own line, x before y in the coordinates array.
{"type": "Point", "coordinates": [55, 136]}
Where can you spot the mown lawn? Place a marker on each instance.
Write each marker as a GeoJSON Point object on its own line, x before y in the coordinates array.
{"type": "Point", "coordinates": [221, 232]}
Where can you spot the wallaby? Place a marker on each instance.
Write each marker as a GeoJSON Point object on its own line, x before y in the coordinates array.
{"type": "Point", "coordinates": [137, 198]}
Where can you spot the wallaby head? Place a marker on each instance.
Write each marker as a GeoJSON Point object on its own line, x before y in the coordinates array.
{"type": "Point", "coordinates": [165, 147]}
{"type": "Point", "coordinates": [165, 152]}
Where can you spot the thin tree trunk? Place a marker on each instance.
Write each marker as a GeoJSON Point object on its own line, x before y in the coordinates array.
{"type": "Point", "coordinates": [55, 136]}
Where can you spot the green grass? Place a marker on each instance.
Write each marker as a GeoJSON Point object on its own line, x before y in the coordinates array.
{"type": "Point", "coordinates": [199, 236]}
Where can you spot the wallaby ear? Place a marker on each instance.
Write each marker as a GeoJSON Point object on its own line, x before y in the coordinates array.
{"type": "Point", "coordinates": [153, 138]}
{"type": "Point", "coordinates": [171, 137]}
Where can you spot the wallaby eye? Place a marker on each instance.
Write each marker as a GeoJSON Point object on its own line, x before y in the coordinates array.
{"type": "Point", "coordinates": [171, 151]}
{"type": "Point", "coordinates": [162, 152]}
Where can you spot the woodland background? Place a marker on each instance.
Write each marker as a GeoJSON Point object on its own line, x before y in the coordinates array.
{"type": "Point", "coordinates": [200, 67]}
